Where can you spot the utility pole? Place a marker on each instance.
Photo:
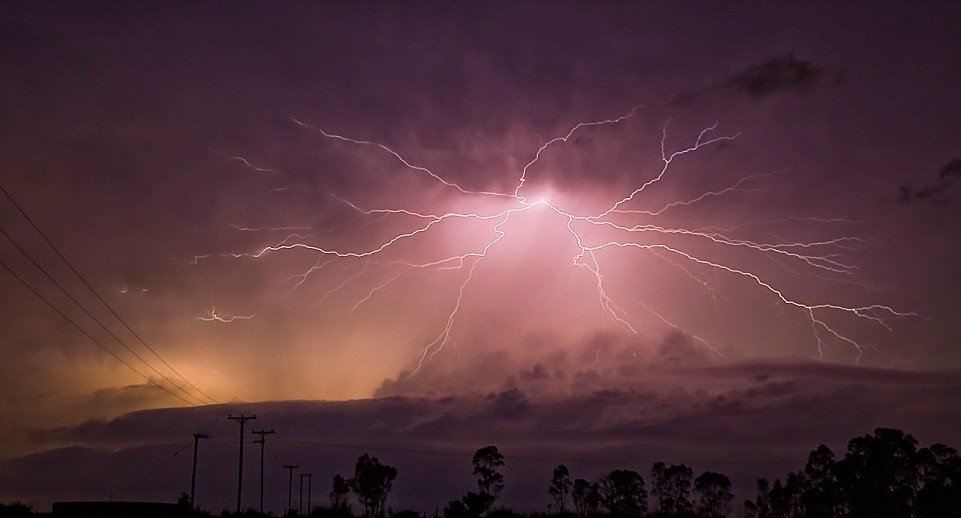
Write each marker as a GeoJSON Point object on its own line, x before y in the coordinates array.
{"type": "Point", "coordinates": [193, 475]}
{"type": "Point", "coordinates": [310, 484]}
{"type": "Point", "coordinates": [242, 419]}
{"type": "Point", "coordinates": [290, 484]}
{"type": "Point", "coordinates": [262, 441]}
{"type": "Point", "coordinates": [301, 503]}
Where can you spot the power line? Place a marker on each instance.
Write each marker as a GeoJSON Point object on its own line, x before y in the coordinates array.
{"type": "Point", "coordinates": [97, 294]}
{"type": "Point", "coordinates": [91, 337]}
{"type": "Point", "coordinates": [153, 469]}
{"type": "Point", "coordinates": [458, 453]}
{"type": "Point", "coordinates": [94, 318]}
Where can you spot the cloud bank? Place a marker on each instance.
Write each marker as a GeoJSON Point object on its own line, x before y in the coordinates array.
{"type": "Point", "coordinates": [595, 412]}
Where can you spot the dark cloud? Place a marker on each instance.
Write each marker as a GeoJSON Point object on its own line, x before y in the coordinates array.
{"type": "Point", "coordinates": [679, 349]}
{"type": "Point", "coordinates": [778, 73]}
{"type": "Point", "coordinates": [951, 170]}
{"type": "Point", "coordinates": [937, 191]}
{"type": "Point", "coordinates": [745, 419]}
{"type": "Point", "coordinates": [582, 366]}
{"type": "Point", "coordinates": [537, 372]}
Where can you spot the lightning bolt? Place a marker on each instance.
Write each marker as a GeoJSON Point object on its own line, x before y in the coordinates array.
{"type": "Point", "coordinates": [249, 165]}
{"type": "Point", "coordinates": [213, 316]}
{"type": "Point", "coordinates": [824, 256]}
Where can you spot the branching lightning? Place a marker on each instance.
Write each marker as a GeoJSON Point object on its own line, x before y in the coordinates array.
{"type": "Point", "coordinates": [213, 316]}
{"type": "Point", "coordinates": [824, 255]}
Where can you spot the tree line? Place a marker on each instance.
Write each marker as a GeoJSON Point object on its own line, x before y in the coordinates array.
{"type": "Point", "coordinates": [884, 474]}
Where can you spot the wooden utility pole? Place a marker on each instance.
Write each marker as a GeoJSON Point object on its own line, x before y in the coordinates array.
{"type": "Point", "coordinates": [242, 419]}
{"type": "Point", "coordinates": [290, 484]}
{"type": "Point", "coordinates": [262, 441]}
{"type": "Point", "coordinates": [300, 503]}
{"type": "Point", "coordinates": [310, 485]}
{"type": "Point", "coordinates": [193, 474]}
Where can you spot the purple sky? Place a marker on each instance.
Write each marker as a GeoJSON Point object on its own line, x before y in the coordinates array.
{"type": "Point", "coordinates": [202, 162]}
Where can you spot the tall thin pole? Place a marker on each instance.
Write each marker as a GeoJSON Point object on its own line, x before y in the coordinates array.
{"type": "Point", "coordinates": [193, 474]}
{"type": "Point", "coordinates": [290, 484]}
{"type": "Point", "coordinates": [300, 499]}
{"type": "Point", "coordinates": [242, 419]}
{"type": "Point", "coordinates": [262, 441]}
{"type": "Point", "coordinates": [310, 484]}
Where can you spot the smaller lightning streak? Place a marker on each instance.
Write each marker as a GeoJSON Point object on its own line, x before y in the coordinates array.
{"type": "Point", "coordinates": [270, 229]}
{"type": "Point", "coordinates": [690, 275]}
{"type": "Point", "coordinates": [344, 283]}
{"type": "Point", "coordinates": [437, 344]}
{"type": "Point", "coordinates": [318, 265]}
{"type": "Point", "coordinates": [565, 138]}
{"type": "Point", "coordinates": [250, 165]}
{"type": "Point", "coordinates": [375, 289]}
{"type": "Point", "coordinates": [667, 159]}
{"type": "Point", "coordinates": [703, 341]}
{"type": "Point", "coordinates": [790, 219]}
{"type": "Point", "coordinates": [594, 267]}
{"type": "Point", "coordinates": [402, 160]}
{"type": "Point", "coordinates": [866, 312]}
{"type": "Point", "coordinates": [701, 197]}
{"type": "Point", "coordinates": [213, 316]}
{"type": "Point", "coordinates": [288, 187]}
{"type": "Point", "coordinates": [821, 262]}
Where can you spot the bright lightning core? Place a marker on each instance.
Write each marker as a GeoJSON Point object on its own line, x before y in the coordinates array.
{"type": "Point", "coordinates": [606, 242]}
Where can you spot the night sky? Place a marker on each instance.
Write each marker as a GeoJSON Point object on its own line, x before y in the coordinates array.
{"type": "Point", "coordinates": [314, 212]}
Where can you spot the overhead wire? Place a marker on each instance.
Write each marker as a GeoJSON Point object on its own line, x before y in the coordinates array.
{"type": "Point", "coordinates": [91, 337]}
{"type": "Point", "coordinates": [464, 453]}
{"type": "Point", "coordinates": [96, 294]}
{"type": "Point", "coordinates": [152, 470]}
{"type": "Point", "coordinates": [93, 317]}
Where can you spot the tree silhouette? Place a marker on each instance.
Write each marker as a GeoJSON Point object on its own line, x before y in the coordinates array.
{"type": "Point", "coordinates": [671, 486]}
{"type": "Point", "coordinates": [560, 486]}
{"type": "Point", "coordinates": [714, 493]}
{"type": "Point", "coordinates": [338, 492]}
{"type": "Point", "coordinates": [884, 474]}
{"type": "Point", "coordinates": [821, 497]}
{"type": "Point", "coordinates": [940, 473]}
{"type": "Point", "coordinates": [477, 504]}
{"type": "Point", "coordinates": [456, 509]}
{"type": "Point", "coordinates": [584, 496]}
{"type": "Point", "coordinates": [877, 474]}
{"type": "Point", "coordinates": [623, 493]}
{"type": "Point", "coordinates": [760, 507]}
{"type": "Point", "coordinates": [372, 482]}
{"type": "Point", "coordinates": [490, 481]}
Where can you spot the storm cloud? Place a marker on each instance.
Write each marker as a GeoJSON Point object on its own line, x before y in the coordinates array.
{"type": "Point", "coordinates": [747, 419]}
{"type": "Point", "coordinates": [938, 191]}
{"type": "Point", "coordinates": [778, 73]}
